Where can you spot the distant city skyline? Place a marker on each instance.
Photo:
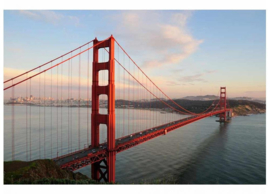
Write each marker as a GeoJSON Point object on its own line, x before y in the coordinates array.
{"type": "Point", "coordinates": [186, 53]}
{"type": "Point", "coordinates": [48, 98]}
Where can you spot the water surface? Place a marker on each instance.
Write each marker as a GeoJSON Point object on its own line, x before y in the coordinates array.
{"type": "Point", "coordinates": [204, 152]}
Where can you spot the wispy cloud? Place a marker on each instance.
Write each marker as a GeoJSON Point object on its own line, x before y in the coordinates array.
{"type": "Point", "coordinates": [166, 39]}
{"type": "Point", "coordinates": [173, 83]}
{"type": "Point", "coordinates": [177, 71]}
{"type": "Point", "coordinates": [196, 77]}
{"type": "Point", "coordinates": [211, 71]}
{"type": "Point", "coordinates": [193, 78]}
{"type": "Point", "coordinates": [51, 17]}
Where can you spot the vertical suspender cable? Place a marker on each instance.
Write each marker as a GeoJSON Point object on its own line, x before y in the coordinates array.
{"type": "Point", "coordinates": [103, 83]}
{"type": "Point", "coordinates": [88, 97]}
{"type": "Point", "coordinates": [57, 111]}
{"type": "Point", "coordinates": [30, 121]}
{"type": "Point", "coordinates": [69, 99]}
{"type": "Point", "coordinates": [145, 109]}
{"type": "Point", "coordinates": [103, 97]}
{"type": "Point", "coordinates": [124, 121]}
{"type": "Point", "coordinates": [51, 110]}
{"type": "Point", "coordinates": [153, 107]}
{"type": "Point", "coordinates": [128, 95]}
{"type": "Point", "coordinates": [143, 102]}
{"type": "Point", "coordinates": [13, 125]}
{"type": "Point", "coordinates": [118, 82]}
{"type": "Point", "coordinates": [79, 101]}
{"type": "Point", "coordinates": [156, 109]}
{"type": "Point", "coordinates": [139, 101]}
{"type": "Point", "coordinates": [26, 118]}
{"type": "Point", "coordinates": [61, 108]}
{"type": "Point", "coordinates": [148, 106]}
{"type": "Point", "coordinates": [133, 100]}
{"type": "Point", "coordinates": [39, 144]}
{"type": "Point", "coordinates": [44, 131]}
{"type": "Point", "coordinates": [150, 112]}
{"type": "Point", "coordinates": [71, 103]}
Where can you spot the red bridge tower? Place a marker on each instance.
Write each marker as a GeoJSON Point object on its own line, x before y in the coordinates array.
{"type": "Point", "coordinates": [107, 170]}
{"type": "Point", "coordinates": [222, 104]}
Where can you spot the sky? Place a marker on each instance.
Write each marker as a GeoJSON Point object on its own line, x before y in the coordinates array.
{"type": "Point", "coordinates": [184, 52]}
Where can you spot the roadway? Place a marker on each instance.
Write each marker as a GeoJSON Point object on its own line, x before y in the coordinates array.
{"type": "Point", "coordinates": [92, 150]}
{"type": "Point", "coordinates": [90, 155]}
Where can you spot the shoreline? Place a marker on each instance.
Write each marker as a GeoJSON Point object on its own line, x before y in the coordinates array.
{"type": "Point", "coordinates": [241, 110]}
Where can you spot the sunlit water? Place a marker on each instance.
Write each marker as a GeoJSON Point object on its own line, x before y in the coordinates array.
{"type": "Point", "coordinates": [204, 152]}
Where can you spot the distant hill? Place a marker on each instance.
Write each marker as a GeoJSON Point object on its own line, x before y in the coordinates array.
{"type": "Point", "coordinates": [206, 97]}
{"type": "Point", "coordinates": [240, 107]}
{"type": "Point", "coordinates": [213, 97]}
{"type": "Point", "coordinates": [249, 99]}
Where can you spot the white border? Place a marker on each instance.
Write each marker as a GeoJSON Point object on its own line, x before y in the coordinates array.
{"type": "Point", "coordinates": [136, 4]}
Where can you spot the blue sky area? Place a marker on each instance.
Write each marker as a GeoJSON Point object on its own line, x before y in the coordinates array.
{"type": "Point", "coordinates": [184, 52]}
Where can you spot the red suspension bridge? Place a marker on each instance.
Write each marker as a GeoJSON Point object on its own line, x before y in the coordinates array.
{"type": "Point", "coordinates": [58, 99]}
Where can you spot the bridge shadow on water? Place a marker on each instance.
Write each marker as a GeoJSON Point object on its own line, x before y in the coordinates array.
{"type": "Point", "coordinates": [213, 145]}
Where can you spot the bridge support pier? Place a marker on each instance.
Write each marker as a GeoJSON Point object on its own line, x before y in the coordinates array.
{"type": "Point", "coordinates": [111, 165]}
{"type": "Point", "coordinates": [108, 119]}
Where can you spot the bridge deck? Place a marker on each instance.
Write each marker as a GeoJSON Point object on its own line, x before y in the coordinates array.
{"type": "Point", "coordinates": [84, 157]}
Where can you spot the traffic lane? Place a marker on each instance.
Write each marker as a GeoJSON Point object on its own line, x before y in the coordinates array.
{"type": "Point", "coordinates": [81, 154]}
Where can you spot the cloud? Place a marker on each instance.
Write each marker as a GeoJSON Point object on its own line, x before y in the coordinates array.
{"type": "Point", "coordinates": [164, 37]}
{"type": "Point", "coordinates": [50, 17]}
{"type": "Point", "coordinates": [181, 18]}
{"type": "Point", "coordinates": [173, 83]}
{"type": "Point", "coordinates": [196, 77]}
{"type": "Point", "coordinates": [193, 78]}
{"type": "Point", "coordinates": [177, 70]}
{"type": "Point", "coordinates": [211, 71]}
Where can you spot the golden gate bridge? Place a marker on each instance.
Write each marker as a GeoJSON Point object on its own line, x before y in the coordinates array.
{"type": "Point", "coordinates": [117, 83]}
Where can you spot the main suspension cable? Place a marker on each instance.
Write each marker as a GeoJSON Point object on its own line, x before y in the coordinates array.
{"type": "Point", "coordinates": [154, 83]}
{"type": "Point", "coordinates": [47, 62]}
{"type": "Point", "coordinates": [55, 65]}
